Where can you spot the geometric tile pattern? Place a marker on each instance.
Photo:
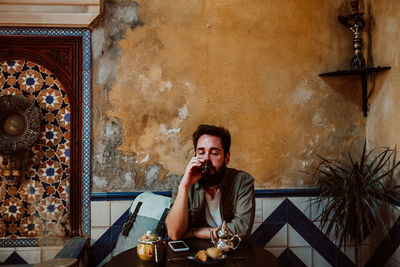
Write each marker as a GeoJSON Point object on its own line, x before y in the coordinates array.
{"type": "Point", "coordinates": [14, 258]}
{"type": "Point", "coordinates": [39, 205]}
{"type": "Point", "coordinates": [63, 151]}
{"type": "Point", "coordinates": [107, 242]}
{"type": "Point", "coordinates": [286, 215]}
{"type": "Point", "coordinates": [30, 242]}
{"type": "Point", "coordinates": [75, 248]}
{"type": "Point", "coordinates": [288, 258]}
{"type": "Point", "coordinates": [387, 247]}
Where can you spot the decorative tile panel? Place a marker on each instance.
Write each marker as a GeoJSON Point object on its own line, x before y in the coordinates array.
{"type": "Point", "coordinates": [39, 206]}
{"type": "Point", "coordinates": [63, 152]}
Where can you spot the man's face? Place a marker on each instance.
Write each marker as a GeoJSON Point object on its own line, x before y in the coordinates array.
{"type": "Point", "coordinates": [210, 148]}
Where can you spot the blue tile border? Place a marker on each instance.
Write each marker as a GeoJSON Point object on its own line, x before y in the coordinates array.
{"type": "Point", "coordinates": [21, 242]}
{"type": "Point", "coordinates": [86, 100]}
{"type": "Point", "coordinates": [259, 193]}
{"type": "Point", "coordinates": [30, 242]}
{"type": "Point", "coordinates": [292, 192]}
{"type": "Point", "coordinates": [112, 196]}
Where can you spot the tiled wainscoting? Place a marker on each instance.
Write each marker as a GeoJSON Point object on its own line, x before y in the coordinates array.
{"type": "Point", "coordinates": [284, 224]}
{"type": "Point", "coordinates": [28, 255]}
{"type": "Point", "coordinates": [73, 251]}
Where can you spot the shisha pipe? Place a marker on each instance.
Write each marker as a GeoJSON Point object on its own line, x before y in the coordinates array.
{"type": "Point", "coordinates": [355, 23]}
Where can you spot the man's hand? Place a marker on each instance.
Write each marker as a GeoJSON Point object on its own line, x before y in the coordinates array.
{"type": "Point", "coordinates": [192, 173]}
{"type": "Point", "coordinates": [205, 232]}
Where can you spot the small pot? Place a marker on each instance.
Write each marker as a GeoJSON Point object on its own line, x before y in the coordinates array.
{"type": "Point", "coordinates": [145, 247]}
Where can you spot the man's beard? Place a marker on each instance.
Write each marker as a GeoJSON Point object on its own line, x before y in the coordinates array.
{"type": "Point", "coordinates": [207, 180]}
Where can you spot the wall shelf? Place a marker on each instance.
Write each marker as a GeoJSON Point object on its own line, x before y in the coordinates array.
{"type": "Point", "coordinates": [363, 74]}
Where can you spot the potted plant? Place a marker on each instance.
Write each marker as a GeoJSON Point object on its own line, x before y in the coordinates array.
{"type": "Point", "coordinates": [352, 193]}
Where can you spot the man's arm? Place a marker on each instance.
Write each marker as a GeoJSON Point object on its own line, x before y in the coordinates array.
{"type": "Point", "coordinates": [177, 219]}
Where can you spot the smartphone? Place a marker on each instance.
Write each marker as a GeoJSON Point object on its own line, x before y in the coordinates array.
{"type": "Point", "coordinates": [178, 246]}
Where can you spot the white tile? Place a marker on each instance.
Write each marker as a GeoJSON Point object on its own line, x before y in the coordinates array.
{"type": "Point", "coordinates": [280, 239]}
{"type": "Point", "coordinates": [316, 208]}
{"type": "Point", "coordinates": [5, 253]}
{"type": "Point", "coordinates": [349, 251]}
{"type": "Point", "coordinates": [379, 232]}
{"type": "Point", "coordinates": [303, 203]}
{"type": "Point", "coordinates": [96, 233]}
{"type": "Point", "coordinates": [318, 260]}
{"type": "Point", "coordinates": [30, 254]}
{"type": "Point", "coordinates": [276, 251]}
{"type": "Point", "coordinates": [18, 249]}
{"type": "Point", "coordinates": [392, 263]}
{"type": "Point", "coordinates": [269, 205]}
{"type": "Point", "coordinates": [394, 215]}
{"type": "Point", "coordinates": [118, 208]}
{"type": "Point", "coordinates": [389, 263]}
{"type": "Point", "coordinates": [396, 255]}
{"type": "Point", "coordinates": [295, 239]}
{"type": "Point", "coordinates": [107, 259]}
{"type": "Point", "coordinates": [375, 237]}
{"type": "Point", "coordinates": [366, 252]}
{"type": "Point", "coordinates": [331, 235]}
{"type": "Point", "coordinates": [100, 213]}
{"type": "Point", "coordinates": [259, 211]}
{"type": "Point", "coordinates": [386, 216]}
{"type": "Point", "coordinates": [304, 254]}
{"type": "Point", "coordinates": [395, 263]}
{"type": "Point", "coordinates": [49, 252]}
{"type": "Point", "coordinates": [255, 226]}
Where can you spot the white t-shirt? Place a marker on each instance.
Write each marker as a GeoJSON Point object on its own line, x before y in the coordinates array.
{"type": "Point", "coordinates": [213, 213]}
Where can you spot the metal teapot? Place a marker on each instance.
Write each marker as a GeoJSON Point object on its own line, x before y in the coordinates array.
{"type": "Point", "coordinates": [145, 247]}
{"type": "Point", "coordinates": [225, 239]}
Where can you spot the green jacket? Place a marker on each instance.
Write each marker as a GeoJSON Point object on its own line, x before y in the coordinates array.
{"type": "Point", "coordinates": [237, 202]}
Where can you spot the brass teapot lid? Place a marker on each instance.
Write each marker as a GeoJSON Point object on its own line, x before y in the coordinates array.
{"type": "Point", "coordinates": [149, 238]}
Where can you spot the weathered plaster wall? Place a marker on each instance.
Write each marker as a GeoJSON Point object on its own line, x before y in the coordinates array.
{"type": "Point", "coordinates": [383, 124]}
{"type": "Point", "coordinates": [162, 67]}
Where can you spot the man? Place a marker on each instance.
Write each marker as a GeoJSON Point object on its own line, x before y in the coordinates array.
{"type": "Point", "coordinates": [201, 202]}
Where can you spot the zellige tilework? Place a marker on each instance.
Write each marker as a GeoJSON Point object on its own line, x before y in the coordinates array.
{"type": "Point", "coordinates": [39, 205]}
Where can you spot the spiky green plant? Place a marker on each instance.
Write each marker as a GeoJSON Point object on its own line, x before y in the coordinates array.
{"type": "Point", "coordinates": [352, 193]}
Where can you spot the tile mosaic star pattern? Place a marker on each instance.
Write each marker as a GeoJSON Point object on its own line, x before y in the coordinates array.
{"type": "Point", "coordinates": [39, 206]}
{"type": "Point", "coordinates": [86, 122]}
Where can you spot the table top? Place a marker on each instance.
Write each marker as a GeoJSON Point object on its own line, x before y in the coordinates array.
{"type": "Point", "coordinates": [246, 255]}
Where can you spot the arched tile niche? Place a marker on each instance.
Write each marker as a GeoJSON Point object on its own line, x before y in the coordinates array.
{"type": "Point", "coordinates": [52, 67]}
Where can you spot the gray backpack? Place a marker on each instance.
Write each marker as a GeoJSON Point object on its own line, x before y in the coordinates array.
{"type": "Point", "coordinates": [147, 213]}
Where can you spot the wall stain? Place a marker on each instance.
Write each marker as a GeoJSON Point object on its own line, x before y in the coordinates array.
{"type": "Point", "coordinates": [253, 69]}
{"type": "Point", "coordinates": [383, 124]}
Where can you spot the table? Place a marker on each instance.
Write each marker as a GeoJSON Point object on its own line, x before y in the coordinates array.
{"type": "Point", "coordinates": [246, 255]}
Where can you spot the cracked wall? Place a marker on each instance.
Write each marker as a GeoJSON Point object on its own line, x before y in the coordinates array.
{"type": "Point", "coordinates": [382, 124]}
{"type": "Point", "coordinates": [161, 68]}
